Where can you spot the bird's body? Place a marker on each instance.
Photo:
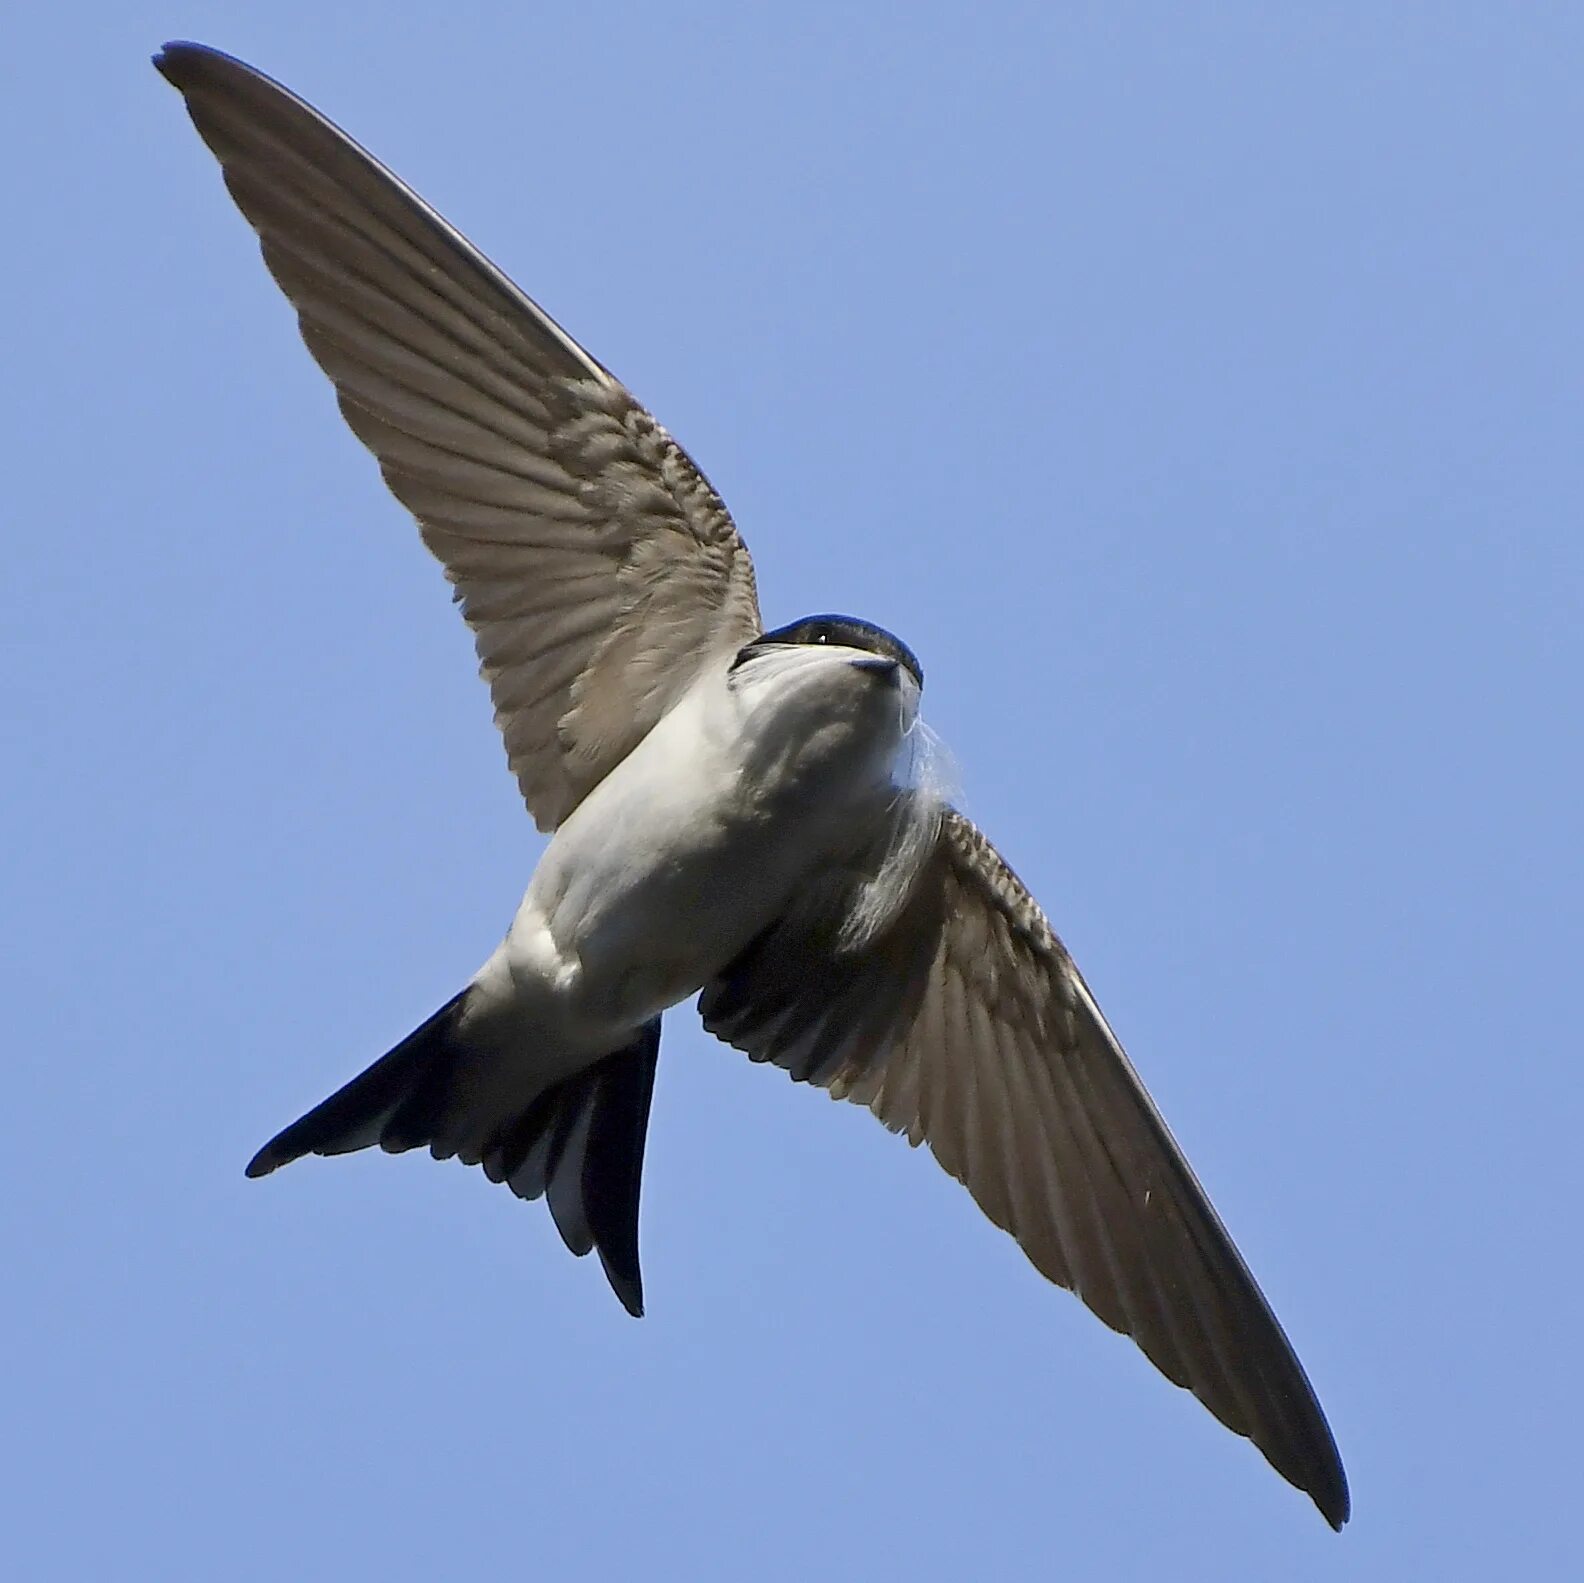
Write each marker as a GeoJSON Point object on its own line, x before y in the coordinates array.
{"type": "Point", "coordinates": [759, 780]}
{"type": "Point", "coordinates": [747, 788]}
{"type": "Point", "coordinates": [733, 813]}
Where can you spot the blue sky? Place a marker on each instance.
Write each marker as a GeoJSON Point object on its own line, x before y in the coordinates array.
{"type": "Point", "coordinates": [1198, 390]}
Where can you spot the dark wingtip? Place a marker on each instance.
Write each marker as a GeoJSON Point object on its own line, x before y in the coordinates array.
{"type": "Point", "coordinates": [170, 58]}
{"type": "Point", "coordinates": [1336, 1505]}
{"type": "Point", "coordinates": [184, 65]}
{"type": "Point", "coordinates": [265, 1161]}
{"type": "Point", "coordinates": [1327, 1486]}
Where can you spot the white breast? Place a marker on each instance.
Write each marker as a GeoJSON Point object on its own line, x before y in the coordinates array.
{"type": "Point", "coordinates": [695, 842]}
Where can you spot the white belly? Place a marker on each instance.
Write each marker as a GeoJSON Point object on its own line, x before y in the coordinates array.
{"type": "Point", "coordinates": [692, 846]}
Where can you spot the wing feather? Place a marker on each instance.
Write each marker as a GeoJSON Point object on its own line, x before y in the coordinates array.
{"type": "Point", "coordinates": [998, 1057]}
{"type": "Point", "coordinates": [597, 567]}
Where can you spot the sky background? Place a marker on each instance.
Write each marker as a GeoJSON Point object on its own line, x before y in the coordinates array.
{"type": "Point", "coordinates": [1199, 391]}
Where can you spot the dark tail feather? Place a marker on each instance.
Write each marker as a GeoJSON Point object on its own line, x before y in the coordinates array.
{"type": "Point", "coordinates": [362, 1114]}
{"type": "Point", "coordinates": [612, 1171]}
{"type": "Point", "coordinates": [581, 1144]}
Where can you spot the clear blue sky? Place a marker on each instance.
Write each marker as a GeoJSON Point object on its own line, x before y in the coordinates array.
{"type": "Point", "coordinates": [1199, 391]}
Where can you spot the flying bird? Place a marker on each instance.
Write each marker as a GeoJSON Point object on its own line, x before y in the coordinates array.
{"type": "Point", "coordinates": [733, 813]}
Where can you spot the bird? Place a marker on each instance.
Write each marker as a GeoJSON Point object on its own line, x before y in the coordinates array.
{"type": "Point", "coordinates": [734, 813]}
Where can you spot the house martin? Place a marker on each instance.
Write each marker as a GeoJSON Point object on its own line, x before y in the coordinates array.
{"type": "Point", "coordinates": [728, 812]}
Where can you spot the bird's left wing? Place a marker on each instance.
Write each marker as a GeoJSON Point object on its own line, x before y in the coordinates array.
{"type": "Point", "coordinates": [967, 1026]}
{"type": "Point", "coordinates": [597, 567]}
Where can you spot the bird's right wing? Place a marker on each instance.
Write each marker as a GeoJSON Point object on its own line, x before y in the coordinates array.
{"type": "Point", "coordinates": [597, 567]}
{"type": "Point", "coordinates": [968, 1027]}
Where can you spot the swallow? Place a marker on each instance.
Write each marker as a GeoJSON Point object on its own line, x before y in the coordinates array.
{"type": "Point", "coordinates": [734, 813]}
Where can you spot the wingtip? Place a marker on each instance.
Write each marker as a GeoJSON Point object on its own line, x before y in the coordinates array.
{"type": "Point", "coordinates": [169, 57]}
{"type": "Point", "coordinates": [1336, 1508]}
{"type": "Point", "coordinates": [1330, 1494]}
{"type": "Point", "coordinates": [261, 1164]}
{"type": "Point", "coordinates": [180, 62]}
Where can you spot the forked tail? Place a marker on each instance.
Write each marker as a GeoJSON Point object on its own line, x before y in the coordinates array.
{"type": "Point", "coordinates": [580, 1143]}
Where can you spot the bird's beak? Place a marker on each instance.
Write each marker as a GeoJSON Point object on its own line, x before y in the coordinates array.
{"type": "Point", "coordinates": [881, 665]}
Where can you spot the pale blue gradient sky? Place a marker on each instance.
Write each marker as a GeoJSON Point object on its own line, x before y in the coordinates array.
{"type": "Point", "coordinates": [1200, 394]}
